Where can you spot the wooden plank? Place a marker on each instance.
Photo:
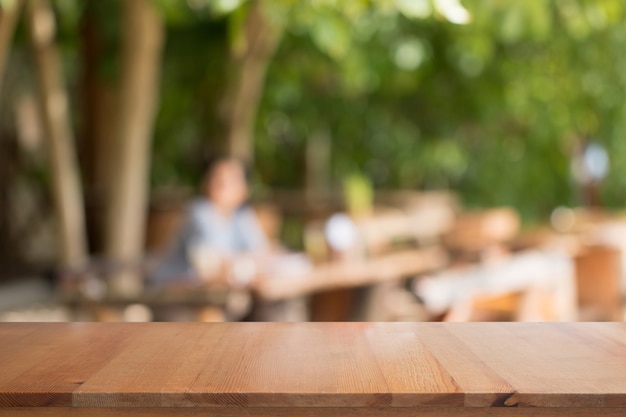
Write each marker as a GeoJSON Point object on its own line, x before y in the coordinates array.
{"type": "Point", "coordinates": [550, 365]}
{"type": "Point", "coordinates": [385, 368]}
{"type": "Point", "coordinates": [482, 386]}
{"type": "Point", "coordinates": [313, 412]}
{"type": "Point", "coordinates": [182, 375]}
{"type": "Point", "coordinates": [353, 377]}
{"type": "Point", "coordinates": [409, 367]}
{"type": "Point", "coordinates": [46, 366]}
{"type": "Point", "coordinates": [154, 357]}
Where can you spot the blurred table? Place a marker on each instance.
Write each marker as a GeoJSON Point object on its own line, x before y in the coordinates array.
{"type": "Point", "coordinates": [313, 369]}
{"type": "Point", "coordinates": [351, 273]}
{"type": "Point", "coordinates": [547, 272]}
{"type": "Point", "coordinates": [275, 284]}
{"type": "Point", "coordinates": [112, 307]}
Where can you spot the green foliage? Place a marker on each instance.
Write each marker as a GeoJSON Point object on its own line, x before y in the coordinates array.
{"type": "Point", "coordinates": [490, 109]}
{"type": "Point", "coordinates": [192, 75]}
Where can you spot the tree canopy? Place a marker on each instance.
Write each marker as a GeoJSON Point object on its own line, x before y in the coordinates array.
{"type": "Point", "coordinates": [490, 106]}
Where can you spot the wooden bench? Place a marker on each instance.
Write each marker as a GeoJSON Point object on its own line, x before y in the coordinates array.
{"type": "Point", "coordinates": [542, 278]}
{"type": "Point", "coordinates": [313, 369]}
{"type": "Point", "coordinates": [90, 295]}
{"type": "Point", "coordinates": [390, 245]}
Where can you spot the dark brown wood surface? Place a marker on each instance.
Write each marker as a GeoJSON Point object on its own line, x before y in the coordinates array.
{"type": "Point", "coordinates": [314, 368]}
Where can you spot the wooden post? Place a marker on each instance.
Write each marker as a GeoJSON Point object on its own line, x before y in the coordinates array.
{"type": "Point", "coordinates": [57, 127]}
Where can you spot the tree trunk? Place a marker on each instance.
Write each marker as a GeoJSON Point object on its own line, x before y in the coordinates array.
{"type": "Point", "coordinates": [251, 53]}
{"type": "Point", "coordinates": [9, 13]}
{"type": "Point", "coordinates": [98, 103]}
{"type": "Point", "coordinates": [142, 40]}
{"type": "Point", "coordinates": [57, 127]}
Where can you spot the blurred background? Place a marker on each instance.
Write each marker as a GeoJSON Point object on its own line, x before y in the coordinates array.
{"type": "Point", "coordinates": [488, 137]}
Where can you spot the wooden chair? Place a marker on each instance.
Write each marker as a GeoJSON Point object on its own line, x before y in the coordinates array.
{"type": "Point", "coordinates": [598, 283]}
{"type": "Point", "coordinates": [478, 232]}
{"type": "Point", "coordinates": [530, 305]}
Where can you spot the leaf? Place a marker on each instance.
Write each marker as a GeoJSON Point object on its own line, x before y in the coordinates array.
{"type": "Point", "coordinates": [331, 34]}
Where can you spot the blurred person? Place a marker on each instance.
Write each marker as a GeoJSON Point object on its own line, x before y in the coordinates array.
{"type": "Point", "coordinates": [218, 227]}
{"type": "Point", "coordinates": [589, 167]}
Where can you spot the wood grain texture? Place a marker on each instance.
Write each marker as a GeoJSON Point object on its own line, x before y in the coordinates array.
{"type": "Point", "coordinates": [312, 412]}
{"type": "Point", "coordinates": [45, 366]}
{"type": "Point", "coordinates": [224, 369]}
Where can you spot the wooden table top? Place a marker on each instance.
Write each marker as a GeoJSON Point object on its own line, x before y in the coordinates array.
{"type": "Point", "coordinates": [328, 276]}
{"type": "Point", "coordinates": [352, 273]}
{"type": "Point", "coordinates": [316, 366]}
